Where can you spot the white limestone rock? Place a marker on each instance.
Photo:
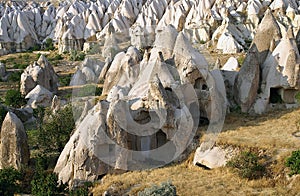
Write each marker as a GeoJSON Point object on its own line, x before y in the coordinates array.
{"type": "Point", "coordinates": [14, 150]}
{"type": "Point", "coordinates": [39, 96]}
{"type": "Point", "coordinates": [231, 65]}
{"type": "Point", "coordinates": [39, 73]}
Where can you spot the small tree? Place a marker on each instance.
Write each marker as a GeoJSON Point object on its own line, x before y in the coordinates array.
{"type": "Point", "coordinates": [56, 130]}
{"type": "Point", "coordinates": [9, 178]}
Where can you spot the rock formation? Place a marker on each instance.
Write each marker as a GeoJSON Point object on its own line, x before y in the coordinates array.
{"type": "Point", "coordinates": [151, 112]}
{"type": "Point", "coordinates": [39, 96]}
{"type": "Point", "coordinates": [14, 151]}
{"type": "Point", "coordinates": [39, 73]}
{"type": "Point", "coordinates": [270, 72]}
{"type": "Point", "coordinates": [72, 24]}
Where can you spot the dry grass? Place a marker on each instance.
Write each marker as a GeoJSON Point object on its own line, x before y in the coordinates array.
{"type": "Point", "coordinates": [271, 132]}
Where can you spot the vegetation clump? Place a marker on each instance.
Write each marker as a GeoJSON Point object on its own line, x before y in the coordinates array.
{"type": "Point", "coordinates": [14, 98]}
{"type": "Point", "coordinates": [247, 165]}
{"type": "Point", "coordinates": [165, 189]}
{"type": "Point", "coordinates": [56, 130]}
{"type": "Point", "coordinates": [9, 178]}
{"type": "Point", "coordinates": [293, 162]}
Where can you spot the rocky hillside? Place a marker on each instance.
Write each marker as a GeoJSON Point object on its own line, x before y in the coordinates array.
{"type": "Point", "coordinates": [145, 95]}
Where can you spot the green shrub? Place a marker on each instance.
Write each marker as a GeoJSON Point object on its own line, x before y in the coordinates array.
{"type": "Point", "coordinates": [241, 60]}
{"type": "Point", "coordinates": [15, 76]}
{"type": "Point", "coordinates": [298, 97]}
{"type": "Point", "coordinates": [49, 44]}
{"type": "Point", "coordinates": [81, 191]}
{"type": "Point", "coordinates": [165, 189]}
{"type": "Point", "coordinates": [45, 183]}
{"type": "Point", "coordinates": [247, 165]}
{"type": "Point", "coordinates": [14, 98]}
{"type": "Point", "coordinates": [293, 162]}
{"type": "Point", "coordinates": [56, 130]}
{"type": "Point", "coordinates": [57, 57]}
{"type": "Point", "coordinates": [75, 56]}
{"type": "Point", "coordinates": [20, 66]}
{"type": "Point", "coordinates": [9, 178]}
{"type": "Point", "coordinates": [36, 47]}
{"type": "Point", "coordinates": [65, 80]}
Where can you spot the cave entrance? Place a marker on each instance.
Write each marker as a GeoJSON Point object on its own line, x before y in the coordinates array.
{"type": "Point", "coordinates": [161, 138]}
{"type": "Point", "coordinates": [275, 95]}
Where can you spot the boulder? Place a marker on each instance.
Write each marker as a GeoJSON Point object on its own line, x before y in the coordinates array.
{"type": "Point", "coordinates": [231, 65]}
{"type": "Point", "coordinates": [211, 158]}
{"type": "Point", "coordinates": [39, 96]}
{"type": "Point", "coordinates": [228, 45]}
{"type": "Point", "coordinates": [14, 150]}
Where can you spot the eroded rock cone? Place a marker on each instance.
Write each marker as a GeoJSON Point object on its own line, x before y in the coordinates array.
{"type": "Point", "coordinates": [39, 73]}
{"type": "Point", "coordinates": [248, 79]}
{"type": "Point", "coordinates": [14, 151]}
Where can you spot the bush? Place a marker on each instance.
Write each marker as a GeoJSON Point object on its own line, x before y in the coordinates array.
{"type": "Point", "coordinates": [82, 190]}
{"type": "Point", "coordinates": [75, 56]}
{"type": "Point", "coordinates": [165, 189]}
{"type": "Point", "coordinates": [20, 66]}
{"type": "Point", "coordinates": [15, 76]}
{"type": "Point", "coordinates": [56, 130]}
{"type": "Point", "coordinates": [45, 183]}
{"type": "Point", "coordinates": [57, 57]}
{"type": "Point", "coordinates": [65, 80]}
{"type": "Point", "coordinates": [9, 178]}
{"type": "Point", "coordinates": [293, 162]}
{"type": "Point", "coordinates": [49, 44]}
{"type": "Point", "coordinates": [247, 165]}
{"type": "Point", "coordinates": [14, 98]}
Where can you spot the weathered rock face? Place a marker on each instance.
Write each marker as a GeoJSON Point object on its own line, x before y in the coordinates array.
{"type": "Point", "coordinates": [123, 71]}
{"type": "Point", "coordinates": [14, 151]}
{"type": "Point", "coordinates": [39, 73]}
{"type": "Point", "coordinates": [151, 112]}
{"type": "Point", "coordinates": [79, 162]}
